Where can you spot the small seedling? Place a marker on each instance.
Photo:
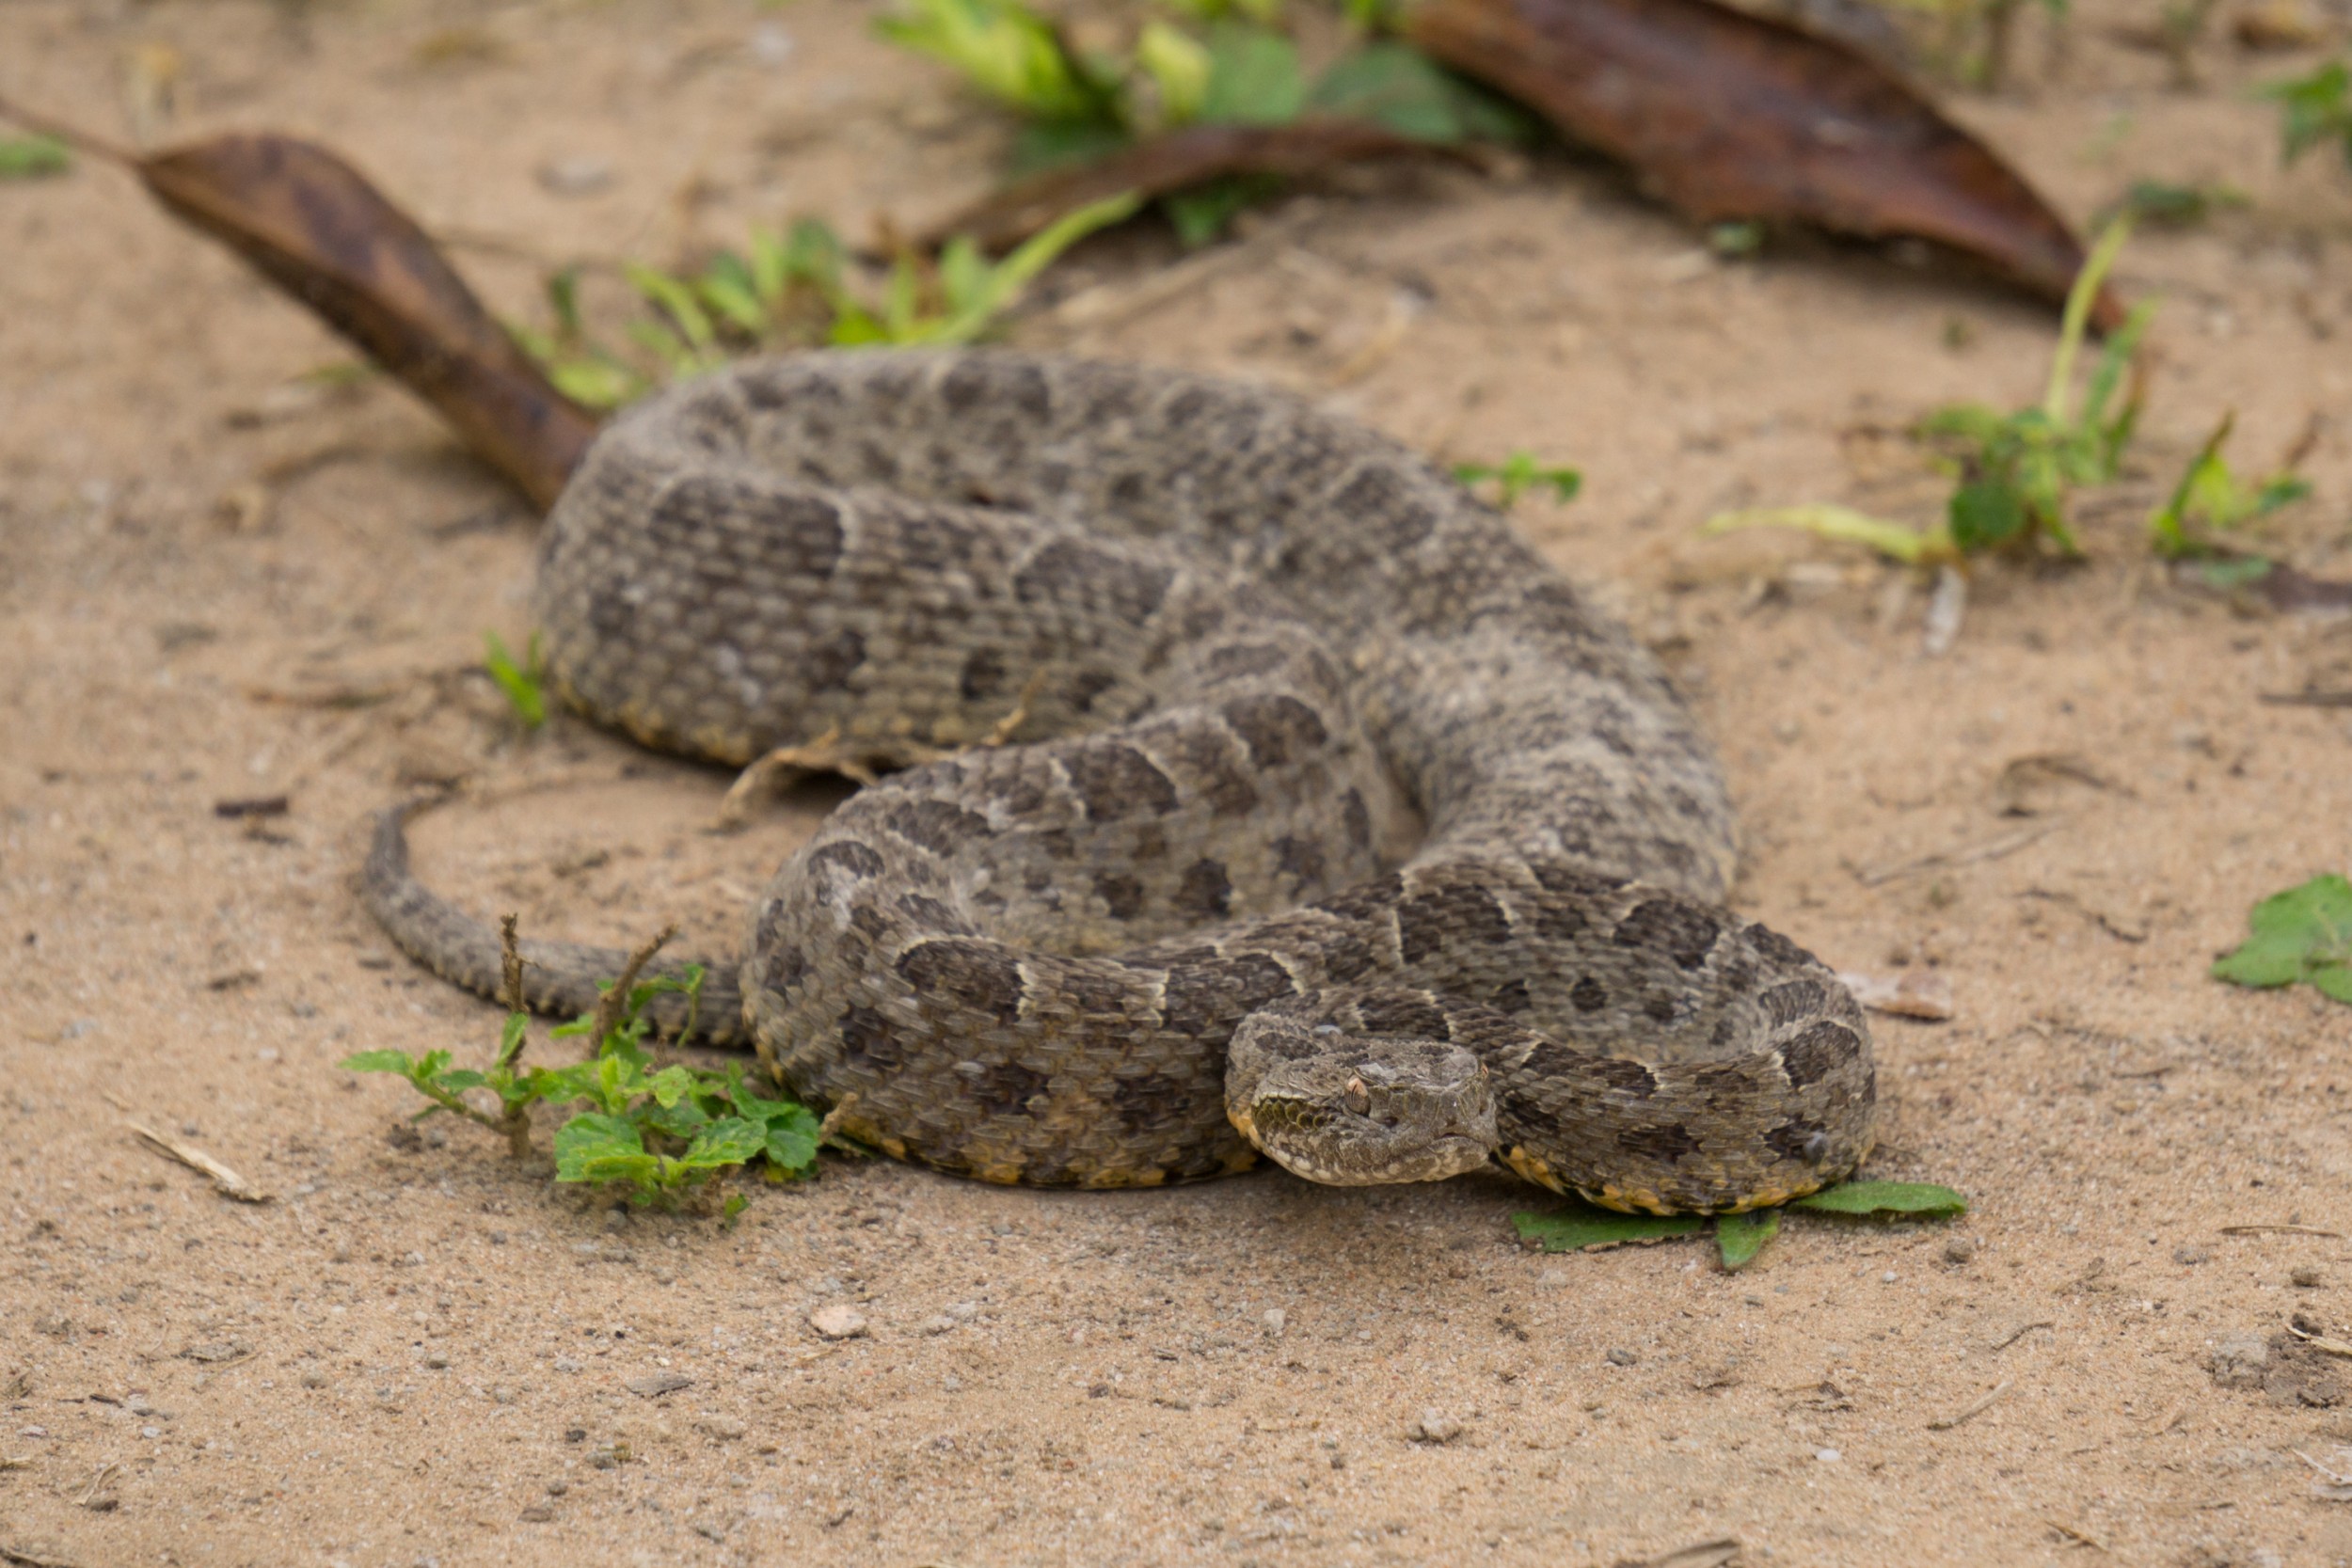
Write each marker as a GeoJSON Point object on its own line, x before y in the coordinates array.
{"type": "Point", "coordinates": [2212, 499]}
{"type": "Point", "coordinates": [791, 290]}
{"type": "Point", "coordinates": [2315, 109]}
{"type": "Point", "coordinates": [524, 683]}
{"type": "Point", "coordinates": [2303, 934]}
{"type": "Point", "coordinates": [665, 1131]}
{"type": "Point", "coordinates": [2014, 471]}
{"type": "Point", "coordinates": [1739, 1238]}
{"type": "Point", "coordinates": [1519, 473]}
{"type": "Point", "coordinates": [33, 157]}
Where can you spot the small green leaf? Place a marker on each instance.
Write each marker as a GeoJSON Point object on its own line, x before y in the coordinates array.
{"type": "Point", "coordinates": [1179, 66]}
{"type": "Point", "coordinates": [670, 1086]}
{"type": "Point", "coordinates": [1986, 513]}
{"type": "Point", "coordinates": [35, 157]}
{"type": "Point", "coordinates": [1888, 1197]}
{"type": "Point", "coordinates": [511, 1038]}
{"type": "Point", "coordinates": [521, 682]}
{"type": "Point", "coordinates": [733, 1142]}
{"type": "Point", "coordinates": [1254, 78]}
{"type": "Point", "coordinates": [377, 1061]}
{"type": "Point", "coordinates": [792, 1139]}
{"type": "Point", "coordinates": [1201, 214]}
{"type": "Point", "coordinates": [596, 1147]}
{"type": "Point", "coordinates": [2304, 933]}
{"type": "Point", "coordinates": [733, 1208]}
{"type": "Point", "coordinates": [458, 1079]}
{"type": "Point", "coordinates": [1582, 1226]}
{"type": "Point", "coordinates": [1740, 1236]}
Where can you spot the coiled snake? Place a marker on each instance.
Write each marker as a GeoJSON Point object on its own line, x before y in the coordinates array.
{"type": "Point", "coordinates": [1330, 822]}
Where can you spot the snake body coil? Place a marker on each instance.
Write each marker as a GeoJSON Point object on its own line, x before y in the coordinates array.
{"type": "Point", "coordinates": [1334, 822]}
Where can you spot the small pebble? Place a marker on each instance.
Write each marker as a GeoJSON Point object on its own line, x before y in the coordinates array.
{"type": "Point", "coordinates": [1888, 1278]}
{"type": "Point", "coordinates": [939, 1324]}
{"type": "Point", "coordinates": [314, 1379]}
{"type": "Point", "coordinates": [2192, 1254]}
{"type": "Point", "coordinates": [1960, 1249]}
{"type": "Point", "coordinates": [576, 176]}
{"type": "Point", "coordinates": [557, 1488]}
{"type": "Point", "coordinates": [436, 1361]}
{"type": "Point", "coordinates": [838, 1322]}
{"type": "Point", "coordinates": [1434, 1426]}
{"type": "Point", "coordinates": [1622, 1358]}
{"type": "Point", "coordinates": [724, 1427]}
{"type": "Point", "coordinates": [1276, 1319]}
{"type": "Point", "coordinates": [1827, 1456]}
{"type": "Point", "coordinates": [536, 1513]}
{"type": "Point", "coordinates": [772, 46]}
{"type": "Point", "coordinates": [2307, 1276]}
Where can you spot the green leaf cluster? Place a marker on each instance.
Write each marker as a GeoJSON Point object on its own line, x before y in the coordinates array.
{"type": "Point", "coordinates": [1739, 1238]}
{"type": "Point", "coordinates": [2211, 499]}
{"type": "Point", "coordinates": [2315, 109]}
{"type": "Point", "coordinates": [1233, 67]}
{"type": "Point", "coordinates": [2303, 934]}
{"type": "Point", "coordinates": [36, 157]}
{"type": "Point", "coordinates": [660, 1131]}
{"type": "Point", "coordinates": [1520, 472]}
{"type": "Point", "coordinates": [790, 289]}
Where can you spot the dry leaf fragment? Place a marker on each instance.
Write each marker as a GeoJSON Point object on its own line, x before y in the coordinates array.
{"type": "Point", "coordinates": [228, 1182]}
{"type": "Point", "coordinates": [319, 230]}
{"type": "Point", "coordinates": [1913, 993]}
{"type": "Point", "coordinates": [1735, 116]}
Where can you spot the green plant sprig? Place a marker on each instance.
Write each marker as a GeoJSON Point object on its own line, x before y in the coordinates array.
{"type": "Point", "coordinates": [791, 290]}
{"type": "Point", "coordinates": [664, 1132]}
{"type": "Point", "coordinates": [2013, 472]}
{"type": "Point", "coordinates": [2211, 499]}
{"type": "Point", "coordinates": [1518, 473]}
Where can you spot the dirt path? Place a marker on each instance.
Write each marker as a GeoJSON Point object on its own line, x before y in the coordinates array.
{"type": "Point", "coordinates": [422, 1354]}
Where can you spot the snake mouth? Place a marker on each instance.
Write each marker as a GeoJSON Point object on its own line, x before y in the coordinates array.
{"type": "Point", "coordinates": [1435, 1161]}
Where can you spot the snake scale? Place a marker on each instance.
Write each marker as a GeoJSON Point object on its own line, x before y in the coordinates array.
{"type": "Point", "coordinates": [1248, 786]}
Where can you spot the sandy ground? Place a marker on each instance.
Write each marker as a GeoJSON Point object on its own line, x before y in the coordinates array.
{"type": "Point", "coordinates": [422, 1353]}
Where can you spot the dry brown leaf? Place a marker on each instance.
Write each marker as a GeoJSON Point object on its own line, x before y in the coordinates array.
{"type": "Point", "coordinates": [313, 225]}
{"type": "Point", "coordinates": [1729, 116]}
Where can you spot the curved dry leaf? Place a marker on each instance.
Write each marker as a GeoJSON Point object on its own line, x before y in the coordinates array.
{"type": "Point", "coordinates": [1729, 116]}
{"type": "Point", "coordinates": [318, 230]}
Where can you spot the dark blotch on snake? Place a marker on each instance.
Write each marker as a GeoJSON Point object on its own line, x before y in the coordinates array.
{"type": "Point", "coordinates": [1819, 1051]}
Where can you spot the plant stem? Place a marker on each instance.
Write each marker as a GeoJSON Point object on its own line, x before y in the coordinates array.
{"type": "Point", "coordinates": [2077, 319]}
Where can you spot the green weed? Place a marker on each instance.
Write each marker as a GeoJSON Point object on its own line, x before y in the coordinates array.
{"type": "Point", "coordinates": [2015, 471]}
{"type": "Point", "coordinates": [663, 1132]}
{"type": "Point", "coordinates": [1739, 1238]}
{"type": "Point", "coordinates": [2210, 500]}
{"type": "Point", "coordinates": [2315, 109]}
{"type": "Point", "coordinates": [1518, 473]}
{"type": "Point", "coordinates": [791, 290]}
{"type": "Point", "coordinates": [33, 157]}
{"type": "Point", "coordinates": [524, 683]}
{"type": "Point", "coordinates": [2303, 934]}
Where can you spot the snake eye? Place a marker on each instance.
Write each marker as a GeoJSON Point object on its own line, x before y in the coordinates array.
{"type": "Point", "coordinates": [1815, 1148]}
{"type": "Point", "coordinates": [1356, 1096]}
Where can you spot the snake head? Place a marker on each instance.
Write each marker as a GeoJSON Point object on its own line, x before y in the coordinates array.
{"type": "Point", "coordinates": [1353, 1110]}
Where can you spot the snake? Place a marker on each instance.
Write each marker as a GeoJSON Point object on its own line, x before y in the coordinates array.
{"type": "Point", "coordinates": [1242, 786]}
